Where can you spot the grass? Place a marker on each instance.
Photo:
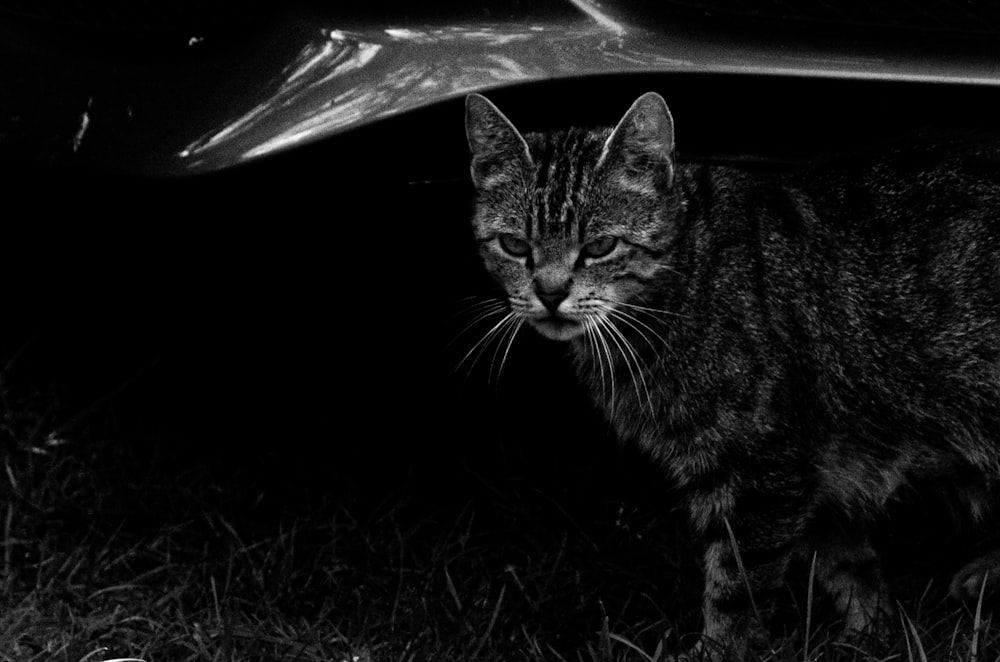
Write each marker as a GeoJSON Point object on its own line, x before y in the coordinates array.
{"type": "Point", "coordinates": [113, 549]}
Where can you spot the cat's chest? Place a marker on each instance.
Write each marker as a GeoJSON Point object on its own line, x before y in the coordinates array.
{"type": "Point", "coordinates": [644, 403]}
{"type": "Point", "coordinates": [679, 411]}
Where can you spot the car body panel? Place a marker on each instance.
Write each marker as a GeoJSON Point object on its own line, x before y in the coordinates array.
{"type": "Point", "coordinates": [310, 76]}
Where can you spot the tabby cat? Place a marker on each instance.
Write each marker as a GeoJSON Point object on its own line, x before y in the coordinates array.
{"type": "Point", "coordinates": [792, 349]}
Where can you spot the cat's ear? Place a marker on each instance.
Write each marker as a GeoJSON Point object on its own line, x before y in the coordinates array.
{"type": "Point", "coordinates": [639, 153]}
{"type": "Point", "coordinates": [498, 150]}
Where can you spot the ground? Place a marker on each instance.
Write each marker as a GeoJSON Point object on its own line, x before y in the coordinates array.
{"type": "Point", "coordinates": [156, 548]}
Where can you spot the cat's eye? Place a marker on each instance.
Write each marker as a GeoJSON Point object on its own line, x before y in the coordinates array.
{"type": "Point", "coordinates": [599, 247]}
{"type": "Point", "coordinates": [514, 245]}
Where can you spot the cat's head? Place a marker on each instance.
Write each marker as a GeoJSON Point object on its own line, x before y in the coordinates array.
{"type": "Point", "coordinates": [573, 225]}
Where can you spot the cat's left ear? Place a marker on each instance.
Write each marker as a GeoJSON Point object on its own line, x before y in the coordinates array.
{"type": "Point", "coordinates": [640, 151]}
{"type": "Point", "coordinates": [498, 150]}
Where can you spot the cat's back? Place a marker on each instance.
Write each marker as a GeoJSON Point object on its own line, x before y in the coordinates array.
{"type": "Point", "coordinates": [911, 250]}
{"type": "Point", "coordinates": [917, 223]}
{"type": "Point", "coordinates": [918, 182]}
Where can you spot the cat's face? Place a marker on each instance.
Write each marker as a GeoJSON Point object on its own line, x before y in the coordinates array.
{"type": "Point", "coordinates": [573, 225]}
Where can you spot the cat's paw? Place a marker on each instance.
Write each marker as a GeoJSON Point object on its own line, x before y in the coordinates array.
{"type": "Point", "coordinates": [968, 582]}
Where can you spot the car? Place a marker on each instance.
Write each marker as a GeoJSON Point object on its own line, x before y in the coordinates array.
{"type": "Point", "coordinates": [147, 89]}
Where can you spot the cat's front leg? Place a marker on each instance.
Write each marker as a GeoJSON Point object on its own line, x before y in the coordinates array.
{"type": "Point", "coordinates": [747, 555]}
{"type": "Point", "coordinates": [737, 600]}
{"type": "Point", "coordinates": [850, 571]}
{"type": "Point", "coordinates": [735, 618]}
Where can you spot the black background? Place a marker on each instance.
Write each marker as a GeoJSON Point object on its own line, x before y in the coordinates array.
{"type": "Point", "coordinates": [299, 314]}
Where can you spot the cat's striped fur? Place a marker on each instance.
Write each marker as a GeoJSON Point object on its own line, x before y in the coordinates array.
{"type": "Point", "coordinates": [792, 351]}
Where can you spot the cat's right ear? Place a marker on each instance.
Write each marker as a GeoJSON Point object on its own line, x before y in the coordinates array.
{"type": "Point", "coordinates": [639, 153]}
{"type": "Point", "coordinates": [498, 150]}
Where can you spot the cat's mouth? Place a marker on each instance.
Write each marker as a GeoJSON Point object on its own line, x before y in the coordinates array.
{"type": "Point", "coordinates": [557, 327]}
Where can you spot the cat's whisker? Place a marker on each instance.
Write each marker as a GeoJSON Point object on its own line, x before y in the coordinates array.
{"type": "Point", "coordinates": [591, 330]}
{"type": "Point", "coordinates": [634, 323]}
{"type": "Point", "coordinates": [589, 337]}
{"type": "Point", "coordinates": [510, 343]}
{"type": "Point", "coordinates": [477, 312]}
{"type": "Point", "coordinates": [607, 325]}
{"type": "Point", "coordinates": [647, 309]}
{"type": "Point", "coordinates": [483, 311]}
{"type": "Point", "coordinates": [470, 297]}
{"type": "Point", "coordinates": [499, 341]}
{"type": "Point", "coordinates": [600, 336]}
{"type": "Point", "coordinates": [636, 362]}
{"type": "Point", "coordinates": [656, 342]}
{"type": "Point", "coordinates": [470, 308]}
{"type": "Point", "coordinates": [672, 270]}
{"type": "Point", "coordinates": [631, 359]}
{"type": "Point", "coordinates": [481, 345]}
{"type": "Point", "coordinates": [502, 338]}
{"type": "Point", "coordinates": [510, 329]}
{"type": "Point", "coordinates": [489, 304]}
{"type": "Point", "coordinates": [642, 332]}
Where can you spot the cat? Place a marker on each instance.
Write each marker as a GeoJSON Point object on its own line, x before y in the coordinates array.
{"type": "Point", "coordinates": [793, 349]}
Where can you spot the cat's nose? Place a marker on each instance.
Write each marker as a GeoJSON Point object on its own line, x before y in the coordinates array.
{"type": "Point", "coordinates": [551, 298]}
